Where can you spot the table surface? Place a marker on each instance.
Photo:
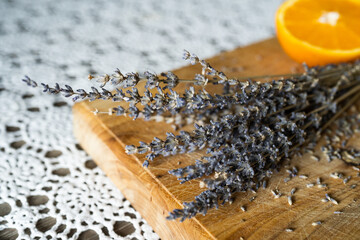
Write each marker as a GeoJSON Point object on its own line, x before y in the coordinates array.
{"type": "Point", "coordinates": [49, 187]}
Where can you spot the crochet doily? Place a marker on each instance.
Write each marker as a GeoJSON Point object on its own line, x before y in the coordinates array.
{"type": "Point", "coordinates": [49, 187]}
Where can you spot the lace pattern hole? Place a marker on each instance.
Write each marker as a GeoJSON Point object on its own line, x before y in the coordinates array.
{"type": "Point", "coordinates": [53, 154]}
{"type": "Point", "coordinates": [60, 228]}
{"type": "Point", "coordinates": [61, 172]}
{"type": "Point", "coordinates": [88, 234]}
{"type": "Point", "coordinates": [59, 104]}
{"type": "Point", "coordinates": [123, 228]}
{"type": "Point", "coordinates": [90, 164]}
{"type": "Point", "coordinates": [11, 128]}
{"type": "Point", "coordinates": [9, 234]}
{"type": "Point", "coordinates": [37, 200]}
{"type": "Point", "coordinates": [5, 209]}
{"type": "Point", "coordinates": [45, 224]}
{"type": "Point", "coordinates": [17, 144]}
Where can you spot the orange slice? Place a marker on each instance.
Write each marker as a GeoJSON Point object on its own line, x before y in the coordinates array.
{"type": "Point", "coordinates": [319, 31]}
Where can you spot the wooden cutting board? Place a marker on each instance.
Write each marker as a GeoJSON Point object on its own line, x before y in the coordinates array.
{"type": "Point", "coordinates": [153, 192]}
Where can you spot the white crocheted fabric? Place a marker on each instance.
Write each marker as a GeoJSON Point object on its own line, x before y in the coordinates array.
{"type": "Point", "coordinates": [49, 187]}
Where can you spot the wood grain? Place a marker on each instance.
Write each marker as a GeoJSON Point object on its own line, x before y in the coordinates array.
{"type": "Point", "coordinates": [153, 192]}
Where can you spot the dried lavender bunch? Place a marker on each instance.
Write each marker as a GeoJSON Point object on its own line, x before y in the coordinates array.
{"type": "Point", "coordinates": [256, 124]}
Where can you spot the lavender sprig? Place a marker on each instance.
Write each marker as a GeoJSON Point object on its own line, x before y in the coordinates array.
{"type": "Point", "coordinates": [247, 131]}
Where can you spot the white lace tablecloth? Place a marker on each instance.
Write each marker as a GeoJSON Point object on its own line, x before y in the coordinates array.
{"type": "Point", "coordinates": [49, 187]}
